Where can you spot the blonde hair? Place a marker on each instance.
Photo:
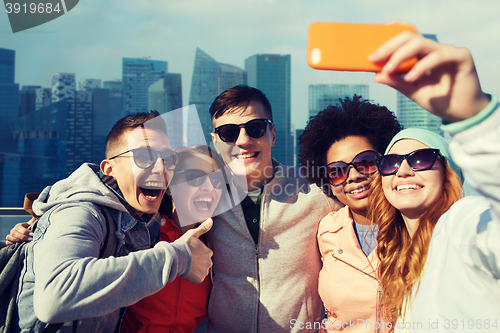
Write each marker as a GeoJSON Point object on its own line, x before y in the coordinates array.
{"type": "Point", "coordinates": [402, 257]}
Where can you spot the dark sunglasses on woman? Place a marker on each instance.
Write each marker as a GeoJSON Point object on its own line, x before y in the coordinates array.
{"type": "Point", "coordinates": [364, 163]}
{"type": "Point", "coordinates": [418, 160]}
{"type": "Point", "coordinates": [195, 177]}
{"type": "Point", "coordinates": [145, 157]}
{"type": "Point", "coordinates": [255, 128]}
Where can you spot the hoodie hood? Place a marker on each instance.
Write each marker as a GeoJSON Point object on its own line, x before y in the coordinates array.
{"type": "Point", "coordinates": [82, 185]}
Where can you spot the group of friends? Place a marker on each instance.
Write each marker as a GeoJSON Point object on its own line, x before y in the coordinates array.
{"type": "Point", "coordinates": [371, 234]}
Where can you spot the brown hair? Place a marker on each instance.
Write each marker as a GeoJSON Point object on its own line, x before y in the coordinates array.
{"type": "Point", "coordinates": [239, 96]}
{"type": "Point", "coordinates": [402, 257]}
{"type": "Point", "coordinates": [131, 122]}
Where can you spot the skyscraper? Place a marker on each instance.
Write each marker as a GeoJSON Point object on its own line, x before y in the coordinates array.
{"type": "Point", "coordinates": [84, 114]}
{"type": "Point", "coordinates": [64, 88]}
{"type": "Point", "coordinates": [27, 99]}
{"type": "Point", "coordinates": [43, 97]}
{"type": "Point", "coordinates": [411, 115]}
{"type": "Point", "coordinates": [165, 95]}
{"type": "Point", "coordinates": [322, 95]}
{"type": "Point", "coordinates": [210, 78]}
{"type": "Point", "coordinates": [137, 76]}
{"type": "Point", "coordinates": [37, 153]}
{"type": "Point", "coordinates": [106, 111]}
{"type": "Point", "coordinates": [115, 86]}
{"type": "Point", "coordinates": [89, 84]}
{"type": "Point", "coordinates": [9, 91]}
{"type": "Point", "coordinates": [270, 73]}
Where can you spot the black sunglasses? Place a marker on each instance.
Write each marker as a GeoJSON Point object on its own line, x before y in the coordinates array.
{"type": "Point", "coordinates": [255, 128]}
{"type": "Point", "coordinates": [195, 177]}
{"type": "Point", "coordinates": [364, 163]}
{"type": "Point", "coordinates": [418, 160]}
{"type": "Point", "coordinates": [145, 157]}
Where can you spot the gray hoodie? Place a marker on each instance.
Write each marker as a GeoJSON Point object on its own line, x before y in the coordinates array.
{"type": "Point", "coordinates": [64, 279]}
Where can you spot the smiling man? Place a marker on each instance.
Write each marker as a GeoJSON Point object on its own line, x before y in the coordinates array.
{"type": "Point", "coordinates": [266, 260]}
{"type": "Point", "coordinates": [93, 255]}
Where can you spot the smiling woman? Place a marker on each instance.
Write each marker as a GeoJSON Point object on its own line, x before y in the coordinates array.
{"type": "Point", "coordinates": [345, 140]}
{"type": "Point", "coordinates": [198, 184]}
{"type": "Point", "coordinates": [418, 183]}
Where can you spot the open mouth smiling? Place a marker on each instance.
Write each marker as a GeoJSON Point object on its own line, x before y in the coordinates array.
{"type": "Point", "coordinates": [359, 190]}
{"type": "Point", "coordinates": [243, 156]}
{"type": "Point", "coordinates": [152, 190]}
{"type": "Point", "coordinates": [203, 203]}
{"type": "Point", "coordinates": [407, 187]}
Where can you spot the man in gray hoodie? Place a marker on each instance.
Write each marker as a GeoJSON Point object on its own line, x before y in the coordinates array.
{"type": "Point", "coordinates": [266, 259]}
{"type": "Point", "coordinates": [66, 278]}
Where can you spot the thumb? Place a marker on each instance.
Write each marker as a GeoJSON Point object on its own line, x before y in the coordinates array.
{"type": "Point", "coordinates": [203, 228]}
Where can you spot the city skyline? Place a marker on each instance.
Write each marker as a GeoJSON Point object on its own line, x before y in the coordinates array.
{"type": "Point", "coordinates": [92, 39]}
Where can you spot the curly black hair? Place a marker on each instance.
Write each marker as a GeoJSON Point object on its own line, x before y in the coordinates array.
{"type": "Point", "coordinates": [353, 117]}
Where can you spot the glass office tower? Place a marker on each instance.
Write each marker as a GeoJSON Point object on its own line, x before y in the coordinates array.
{"type": "Point", "coordinates": [322, 95]}
{"type": "Point", "coordinates": [137, 76]}
{"type": "Point", "coordinates": [411, 115]}
{"type": "Point", "coordinates": [270, 73]}
{"type": "Point", "coordinates": [210, 78]}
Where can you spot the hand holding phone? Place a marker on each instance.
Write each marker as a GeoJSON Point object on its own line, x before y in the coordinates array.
{"type": "Point", "coordinates": [346, 46]}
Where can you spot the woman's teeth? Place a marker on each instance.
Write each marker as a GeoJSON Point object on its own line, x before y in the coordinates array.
{"type": "Point", "coordinates": [358, 190]}
{"type": "Point", "coordinates": [408, 187]}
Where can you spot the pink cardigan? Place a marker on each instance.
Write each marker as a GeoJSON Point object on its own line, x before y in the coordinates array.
{"type": "Point", "coordinates": [348, 283]}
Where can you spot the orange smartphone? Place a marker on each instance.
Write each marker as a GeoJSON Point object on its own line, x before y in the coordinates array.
{"type": "Point", "coordinates": [346, 46]}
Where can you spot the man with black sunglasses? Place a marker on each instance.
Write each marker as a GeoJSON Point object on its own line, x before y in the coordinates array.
{"type": "Point", "coordinates": [93, 253]}
{"type": "Point", "coordinates": [266, 260]}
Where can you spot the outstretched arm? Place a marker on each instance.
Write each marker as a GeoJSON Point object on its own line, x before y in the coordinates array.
{"type": "Point", "coordinates": [444, 81]}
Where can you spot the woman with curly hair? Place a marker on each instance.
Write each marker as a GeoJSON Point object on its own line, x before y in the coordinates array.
{"type": "Point", "coordinates": [339, 149]}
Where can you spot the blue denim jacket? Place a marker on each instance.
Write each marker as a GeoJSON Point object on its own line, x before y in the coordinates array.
{"type": "Point", "coordinates": [72, 282]}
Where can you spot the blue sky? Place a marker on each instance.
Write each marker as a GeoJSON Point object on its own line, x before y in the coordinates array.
{"type": "Point", "coordinates": [92, 39]}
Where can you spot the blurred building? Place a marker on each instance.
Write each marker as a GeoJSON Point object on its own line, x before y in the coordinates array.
{"type": "Point", "coordinates": [106, 111]}
{"type": "Point", "coordinates": [210, 78]}
{"type": "Point", "coordinates": [270, 73]}
{"type": "Point", "coordinates": [411, 115]}
{"type": "Point", "coordinates": [137, 76]}
{"type": "Point", "coordinates": [27, 99]}
{"type": "Point", "coordinates": [166, 95]}
{"type": "Point", "coordinates": [114, 86]}
{"type": "Point", "coordinates": [89, 84]}
{"type": "Point", "coordinates": [43, 97]}
{"type": "Point", "coordinates": [36, 153]}
{"type": "Point", "coordinates": [298, 133]}
{"type": "Point", "coordinates": [9, 91]}
{"type": "Point", "coordinates": [322, 95]}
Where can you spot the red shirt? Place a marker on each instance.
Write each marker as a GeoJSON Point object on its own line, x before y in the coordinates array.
{"type": "Point", "coordinates": [179, 307]}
